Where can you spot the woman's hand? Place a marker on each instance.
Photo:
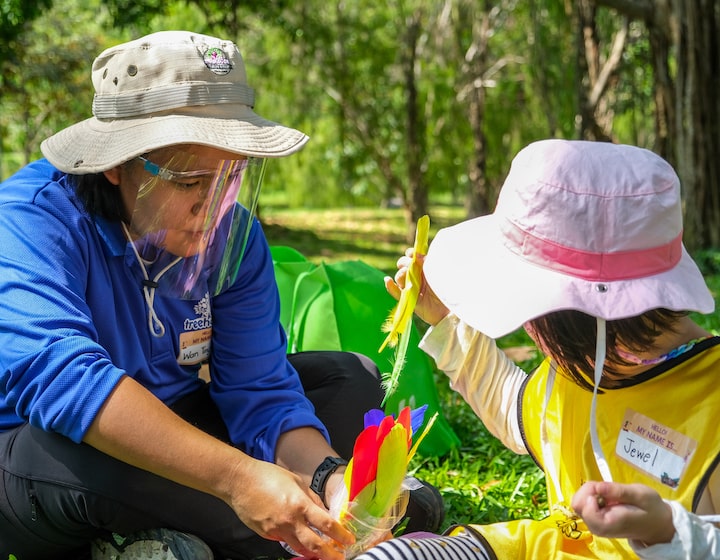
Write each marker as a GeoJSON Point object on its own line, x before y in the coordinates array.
{"type": "Point", "coordinates": [135, 427]}
{"type": "Point", "coordinates": [429, 308]}
{"type": "Point", "coordinates": [632, 511]}
{"type": "Point", "coordinates": [276, 504]}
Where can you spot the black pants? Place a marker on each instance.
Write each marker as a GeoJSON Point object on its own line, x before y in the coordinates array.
{"type": "Point", "coordinates": [57, 496]}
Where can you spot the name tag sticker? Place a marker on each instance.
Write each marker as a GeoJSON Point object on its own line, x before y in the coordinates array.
{"type": "Point", "coordinates": [653, 448]}
{"type": "Point", "coordinates": [194, 347]}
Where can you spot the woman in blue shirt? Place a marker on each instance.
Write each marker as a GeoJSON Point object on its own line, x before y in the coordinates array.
{"type": "Point", "coordinates": [130, 260]}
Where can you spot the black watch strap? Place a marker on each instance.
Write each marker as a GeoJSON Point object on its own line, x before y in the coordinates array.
{"type": "Point", "coordinates": [323, 472]}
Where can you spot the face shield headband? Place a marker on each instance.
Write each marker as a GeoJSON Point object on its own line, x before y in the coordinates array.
{"type": "Point", "coordinates": [190, 222]}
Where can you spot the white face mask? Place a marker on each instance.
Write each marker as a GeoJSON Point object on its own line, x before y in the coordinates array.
{"type": "Point", "coordinates": [190, 220]}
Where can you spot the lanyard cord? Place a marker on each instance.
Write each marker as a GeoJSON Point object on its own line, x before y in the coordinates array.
{"type": "Point", "coordinates": [548, 456]}
{"type": "Point", "coordinates": [154, 323]}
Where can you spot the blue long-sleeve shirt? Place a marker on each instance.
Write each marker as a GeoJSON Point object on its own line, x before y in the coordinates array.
{"type": "Point", "coordinates": [73, 321]}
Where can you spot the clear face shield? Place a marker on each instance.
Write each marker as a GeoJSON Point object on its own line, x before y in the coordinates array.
{"type": "Point", "coordinates": [191, 218]}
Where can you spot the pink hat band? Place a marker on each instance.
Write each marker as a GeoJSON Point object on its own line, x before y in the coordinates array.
{"type": "Point", "coordinates": [596, 267]}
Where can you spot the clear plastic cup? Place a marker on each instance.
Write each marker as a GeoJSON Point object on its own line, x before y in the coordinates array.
{"type": "Point", "coordinates": [369, 530]}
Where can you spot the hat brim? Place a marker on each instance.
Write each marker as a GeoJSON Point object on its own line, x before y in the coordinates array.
{"type": "Point", "coordinates": [496, 291]}
{"type": "Point", "coordinates": [93, 145]}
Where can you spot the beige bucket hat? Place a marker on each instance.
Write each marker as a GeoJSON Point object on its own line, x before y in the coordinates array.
{"type": "Point", "coordinates": [168, 88]}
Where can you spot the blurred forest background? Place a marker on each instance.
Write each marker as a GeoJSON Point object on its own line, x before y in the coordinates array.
{"type": "Point", "coordinates": [408, 102]}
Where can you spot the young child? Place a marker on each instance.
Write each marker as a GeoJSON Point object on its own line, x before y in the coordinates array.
{"type": "Point", "coordinates": [585, 251]}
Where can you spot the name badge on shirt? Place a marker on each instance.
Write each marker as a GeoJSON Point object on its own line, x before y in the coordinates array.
{"type": "Point", "coordinates": [194, 347]}
{"type": "Point", "coordinates": [653, 448]}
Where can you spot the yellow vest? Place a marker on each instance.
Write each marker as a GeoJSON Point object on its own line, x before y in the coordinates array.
{"type": "Point", "coordinates": [662, 432]}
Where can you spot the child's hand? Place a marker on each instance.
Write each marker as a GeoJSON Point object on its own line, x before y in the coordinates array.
{"type": "Point", "coordinates": [632, 511]}
{"type": "Point", "coordinates": [429, 308]}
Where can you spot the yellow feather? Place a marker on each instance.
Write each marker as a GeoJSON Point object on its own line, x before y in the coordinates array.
{"type": "Point", "coordinates": [401, 315]}
{"type": "Point", "coordinates": [421, 437]}
{"type": "Point", "coordinates": [392, 466]}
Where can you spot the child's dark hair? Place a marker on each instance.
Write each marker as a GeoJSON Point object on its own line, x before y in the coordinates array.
{"type": "Point", "coordinates": [570, 337]}
{"type": "Point", "coordinates": [99, 196]}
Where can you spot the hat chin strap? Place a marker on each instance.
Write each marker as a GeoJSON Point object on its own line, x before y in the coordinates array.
{"type": "Point", "coordinates": [600, 351]}
{"type": "Point", "coordinates": [548, 457]}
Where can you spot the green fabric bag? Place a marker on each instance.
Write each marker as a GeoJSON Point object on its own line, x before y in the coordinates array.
{"type": "Point", "coordinates": [342, 306]}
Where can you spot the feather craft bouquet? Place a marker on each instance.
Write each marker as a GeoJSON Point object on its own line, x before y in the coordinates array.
{"type": "Point", "coordinates": [376, 486]}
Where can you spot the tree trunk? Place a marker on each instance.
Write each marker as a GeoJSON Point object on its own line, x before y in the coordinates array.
{"type": "Point", "coordinates": [698, 119]}
{"type": "Point", "coordinates": [416, 202]}
{"type": "Point", "coordinates": [479, 200]}
{"type": "Point", "coordinates": [661, 40]}
{"type": "Point", "coordinates": [687, 104]}
{"type": "Point", "coordinates": [596, 114]}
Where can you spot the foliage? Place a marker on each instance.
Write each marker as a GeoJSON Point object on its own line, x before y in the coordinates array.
{"type": "Point", "coordinates": [14, 17]}
{"type": "Point", "coordinates": [46, 82]}
{"type": "Point", "coordinates": [339, 73]}
{"type": "Point", "coordinates": [551, 69]}
{"type": "Point", "coordinates": [634, 91]}
{"type": "Point", "coordinates": [134, 15]}
{"type": "Point", "coordinates": [401, 99]}
{"type": "Point", "coordinates": [708, 261]}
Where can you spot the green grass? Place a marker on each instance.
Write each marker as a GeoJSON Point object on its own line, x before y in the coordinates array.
{"type": "Point", "coordinates": [374, 235]}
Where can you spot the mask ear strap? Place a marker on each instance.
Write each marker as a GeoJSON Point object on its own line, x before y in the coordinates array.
{"type": "Point", "coordinates": [600, 351]}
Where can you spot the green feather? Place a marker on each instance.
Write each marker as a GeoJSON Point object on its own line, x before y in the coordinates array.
{"type": "Point", "coordinates": [392, 467]}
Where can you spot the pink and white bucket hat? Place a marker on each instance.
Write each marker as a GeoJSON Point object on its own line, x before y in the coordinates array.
{"type": "Point", "coordinates": [590, 226]}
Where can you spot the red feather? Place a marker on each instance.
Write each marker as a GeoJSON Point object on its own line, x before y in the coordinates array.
{"type": "Point", "coordinates": [404, 419]}
{"type": "Point", "coordinates": [365, 454]}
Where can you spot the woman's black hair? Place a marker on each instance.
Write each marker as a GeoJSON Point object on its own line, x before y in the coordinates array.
{"type": "Point", "coordinates": [99, 196]}
{"type": "Point", "coordinates": [569, 336]}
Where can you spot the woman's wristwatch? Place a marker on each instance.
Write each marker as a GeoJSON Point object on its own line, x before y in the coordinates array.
{"type": "Point", "coordinates": [323, 472]}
